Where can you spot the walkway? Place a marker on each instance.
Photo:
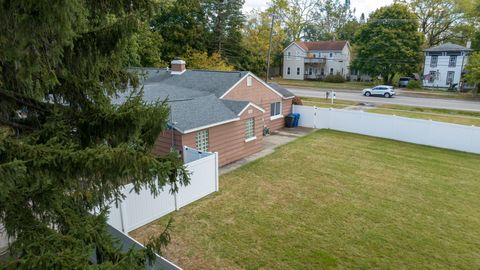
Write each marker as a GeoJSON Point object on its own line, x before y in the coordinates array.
{"type": "Point", "coordinates": [279, 137]}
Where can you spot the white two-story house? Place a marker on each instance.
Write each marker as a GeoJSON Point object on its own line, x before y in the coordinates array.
{"type": "Point", "coordinates": [444, 65]}
{"type": "Point", "coordinates": [316, 60]}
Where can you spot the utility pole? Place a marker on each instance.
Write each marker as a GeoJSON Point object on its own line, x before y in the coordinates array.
{"type": "Point", "coordinates": [270, 48]}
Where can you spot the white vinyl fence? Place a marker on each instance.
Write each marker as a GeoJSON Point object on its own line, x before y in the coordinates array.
{"type": "Point", "coordinates": [137, 210]}
{"type": "Point", "coordinates": [418, 131]}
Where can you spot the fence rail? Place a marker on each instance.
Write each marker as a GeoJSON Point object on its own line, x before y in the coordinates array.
{"type": "Point", "coordinates": [418, 131]}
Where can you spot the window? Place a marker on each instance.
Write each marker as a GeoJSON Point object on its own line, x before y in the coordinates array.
{"type": "Point", "coordinates": [331, 71]}
{"type": "Point", "coordinates": [314, 56]}
{"type": "Point", "coordinates": [250, 129]}
{"type": "Point", "coordinates": [453, 61]}
{"type": "Point", "coordinates": [288, 70]}
{"type": "Point", "coordinates": [322, 71]}
{"type": "Point", "coordinates": [434, 61]}
{"type": "Point", "coordinates": [249, 81]}
{"type": "Point", "coordinates": [450, 76]}
{"type": "Point", "coordinates": [275, 108]}
{"type": "Point", "coordinates": [201, 140]}
{"type": "Point", "coordinates": [310, 71]}
{"type": "Point", "coordinates": [432, 76]}
{"type": "Point", "coordinates": [331, 55]}
{"type": "Point", "coordinates": [298, 71]}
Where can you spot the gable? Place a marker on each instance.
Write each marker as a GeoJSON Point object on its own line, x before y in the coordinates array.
{"type": "Point", "coordinates": [256, 93]}
{"type": "Point", "coordinates": [294, 47]}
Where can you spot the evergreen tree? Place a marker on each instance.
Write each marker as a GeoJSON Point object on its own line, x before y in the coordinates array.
{"type": "Point", "coordinates": [65, 150]}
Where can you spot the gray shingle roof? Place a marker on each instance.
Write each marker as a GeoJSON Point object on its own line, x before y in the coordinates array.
{"type": "Point", "coordinates": [235, 106]}
{"type": "Point", "coordinates": [284, 92]}
{"type": "Point", "coordinates": [447, 47]}
{"type": "Point", "coordinates": [194, 95]}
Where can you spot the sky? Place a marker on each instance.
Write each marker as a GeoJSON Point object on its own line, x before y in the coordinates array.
{"type": "Point", "coordinates": [361, 6]}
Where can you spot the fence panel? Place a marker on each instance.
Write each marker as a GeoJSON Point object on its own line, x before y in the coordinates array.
{"type": "Point", "coordinates": [139, 209]}
{"type": "Point", "coordinates": [201, 181]}
{"type": "Point", "coordinates": [418, 131]}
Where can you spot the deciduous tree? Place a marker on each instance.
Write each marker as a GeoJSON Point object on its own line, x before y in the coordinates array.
{"type": "Point", "coordinates": [389, 43]}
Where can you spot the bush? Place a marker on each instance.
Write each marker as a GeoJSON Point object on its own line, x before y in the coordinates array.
{"type": "Point", "coordinates": [297, 101]}
{"type": "Point", "coordinates": [335, 78]}
{"type": "Point", "coordinates": [412, 84]}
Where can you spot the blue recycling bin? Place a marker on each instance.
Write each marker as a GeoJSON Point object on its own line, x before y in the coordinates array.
{"type": "Point", "coordinates": [296, 118]}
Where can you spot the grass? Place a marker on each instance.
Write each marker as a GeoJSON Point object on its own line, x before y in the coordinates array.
{"type": "Point", "coordinates": [320, 102]}
{"type": "Point", "coordinates": [468, 118]}
{"type": "Point", "coordinates": [335, 200]}
{"type": "Point", "coordinates": [326, 85]}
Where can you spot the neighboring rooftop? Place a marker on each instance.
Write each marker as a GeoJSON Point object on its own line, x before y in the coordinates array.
{"type": "Point", "coordinates": [334, 45]}
{"type": "Point", "coordinates": [448, 47]}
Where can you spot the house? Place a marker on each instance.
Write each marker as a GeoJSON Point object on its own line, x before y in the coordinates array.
{"type": "Point", "coordinates": [216, 111]}
{"type": "Point", "coordinates": [315, 60]}
{"type": "Point", "coordinates": [444, 65]}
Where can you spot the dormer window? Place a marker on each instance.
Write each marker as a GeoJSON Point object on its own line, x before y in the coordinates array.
{"type": "Point", "coordinates": [249, 81]}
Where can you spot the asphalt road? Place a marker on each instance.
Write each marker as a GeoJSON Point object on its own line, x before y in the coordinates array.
{"type": "Point", "coordinates": [356, 95]}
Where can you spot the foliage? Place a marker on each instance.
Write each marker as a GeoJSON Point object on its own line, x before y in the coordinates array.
{"type": "Point", "coordinates": [201, 60]}
{"type": "Point", "coordinates": [337, 78]}
{"type": "Point", "coordinates": [296, 15]}
{"type": "Point", "coordinates": [389, 43]}
{"type": "Point", "coordinates": [473, 70]}
{"type": "Point", "coordinates": [414, 84]}
{"type": "Point", "coordinates": [65, 149]}
{"type": "Point", "coordinates": [145, 49]}
{"type": "Point", "coordinates": [331, 20]}
{"type": "Point", "coordinates": [297, 101]}
{"type": "Point", "coordinates": [441, 21]}
{"type": "Point", "coordinates": [256, 38]}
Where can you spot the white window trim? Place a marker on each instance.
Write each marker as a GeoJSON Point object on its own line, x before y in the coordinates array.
{"type": "Point", "coordinates": [275, 117]}
{"type": "Point", "coordinates": [251, 139]}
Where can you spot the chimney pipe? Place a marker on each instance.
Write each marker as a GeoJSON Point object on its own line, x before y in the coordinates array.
{"type": "Point", "coordinates": [178, 67]}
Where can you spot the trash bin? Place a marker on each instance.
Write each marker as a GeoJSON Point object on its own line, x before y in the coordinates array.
{"type": "Point", "coordinates": [289, 121]}
{"type": "Point", "coordinates": [295, 119]}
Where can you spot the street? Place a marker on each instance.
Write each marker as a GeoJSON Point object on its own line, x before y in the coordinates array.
{"type": "Point", "coordinates": [356, 95]}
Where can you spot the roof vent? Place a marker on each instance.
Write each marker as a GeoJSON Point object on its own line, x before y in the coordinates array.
{"type": "Point", "coordinates": [178, 67]}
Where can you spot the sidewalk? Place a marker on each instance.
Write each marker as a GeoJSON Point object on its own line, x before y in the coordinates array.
{"type": "Point", "coordinates": [277, 138]}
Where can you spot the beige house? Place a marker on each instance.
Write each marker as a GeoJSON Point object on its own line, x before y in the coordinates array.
{"type": "Point", "coordinates": [216, 111]}
{"type": "Point", "coordinates": [315, 60]}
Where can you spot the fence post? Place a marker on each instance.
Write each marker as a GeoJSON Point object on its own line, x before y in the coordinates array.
{"type": "Point", "coordinates": [216, 171]}
{"type": "Point", "coordinates": [123, 216]}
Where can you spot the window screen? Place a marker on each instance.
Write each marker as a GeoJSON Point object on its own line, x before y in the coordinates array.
{"type": "Point", "coordinates": [201, 140]}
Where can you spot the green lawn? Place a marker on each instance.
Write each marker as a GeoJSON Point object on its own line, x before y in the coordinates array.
{"type": "Point", "coordinates": [321, 102]}
{"type": "Point", "coordinates": [325, 85]}
{"type": "Point", "coordinates": [337, 201]}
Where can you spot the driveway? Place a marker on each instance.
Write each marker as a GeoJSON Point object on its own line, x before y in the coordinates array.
{"type": "Point", "coordinates": [356, 95]}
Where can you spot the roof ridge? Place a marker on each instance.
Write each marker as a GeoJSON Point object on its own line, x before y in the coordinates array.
{"type": "Point", "coordinates": [218, 71]}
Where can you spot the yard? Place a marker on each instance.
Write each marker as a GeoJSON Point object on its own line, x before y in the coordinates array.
{"type": "Point", "coordinates": [336, 200]}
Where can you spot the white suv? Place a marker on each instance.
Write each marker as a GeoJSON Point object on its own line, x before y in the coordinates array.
{"type": "Point", "coordinates": [380, 90]}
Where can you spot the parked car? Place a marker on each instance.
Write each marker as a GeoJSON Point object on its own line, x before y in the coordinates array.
{"type": "Point", "coordinates": [403, 82]}
{"type": "Point", "coordinates": [379, 90]}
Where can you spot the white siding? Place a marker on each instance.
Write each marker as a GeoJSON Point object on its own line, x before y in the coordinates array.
{"type": "Point", "coordinates": [294, 61]}
{"type": "Point", "coordinates": [443, 68]}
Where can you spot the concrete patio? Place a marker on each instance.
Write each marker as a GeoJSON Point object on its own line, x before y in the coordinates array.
{"type": "Point", "coordinates": [277, 138]}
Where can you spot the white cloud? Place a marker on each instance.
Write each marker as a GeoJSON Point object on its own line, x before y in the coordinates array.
{"type": "Point", "coordinates": [361, 6]}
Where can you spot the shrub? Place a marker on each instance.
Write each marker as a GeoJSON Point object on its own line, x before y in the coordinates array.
{"type": "Point", "coordinates": [297, 101]}
{"type": "Point", "coordinates": [335, 78]}
{"type": "Point", "coordinates": [412, 84]}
